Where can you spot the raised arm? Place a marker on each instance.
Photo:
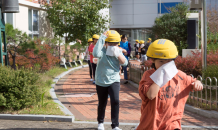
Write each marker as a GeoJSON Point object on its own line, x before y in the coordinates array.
{"type": "Point", "coordinates": [97, 52]}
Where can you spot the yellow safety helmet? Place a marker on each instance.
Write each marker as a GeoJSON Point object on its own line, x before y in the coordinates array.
{"type": "Point", "coordinates": [137, 41]}
{"type": "Point", "coordinates": [121, 36]}
{"type": "Point", "coordinates": [95, 36]}
{"type": "Point", "coordinates": [106, 40]}
{"type": "Point", "coordinates": [142, 41]}
{"type": "Point", "coordinates": [113, 36]}
{"type": "Point", "coordinates": [149, 39]}
{"type": "Point", "coordinates": [162, 49]}
{"type": "Point", "coordinates": [90, 40]}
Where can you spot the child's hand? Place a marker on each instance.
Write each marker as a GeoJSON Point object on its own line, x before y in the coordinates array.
{"type": "Point", "coordinates": [106, 33]}
{"type": "Point", "coordinates": [124, 51]}
{"type": "Point", "coordinates": [197, 85]}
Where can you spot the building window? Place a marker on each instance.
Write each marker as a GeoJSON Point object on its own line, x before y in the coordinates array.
{"type": "Point", "coordinates": [33, 18]}
{"type": "Point", "coordinates": [9, 18]}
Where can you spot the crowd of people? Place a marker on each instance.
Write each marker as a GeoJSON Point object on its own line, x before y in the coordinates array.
{"type": "Point", "coordinates": [163, 89]}
{"type": "Point", "coordinates": [141, 49]}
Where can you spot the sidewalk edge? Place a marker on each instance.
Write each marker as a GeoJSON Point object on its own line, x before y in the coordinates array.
{"type": "Point", "coordinates": [37, 117]}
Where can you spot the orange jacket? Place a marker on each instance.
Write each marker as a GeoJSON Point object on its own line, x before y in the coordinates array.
{"type": "Point", "coordinates": [166, 110]}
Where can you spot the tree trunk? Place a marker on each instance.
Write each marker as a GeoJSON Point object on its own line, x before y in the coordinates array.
{"type": "Point", "coordinates": [13, 57]}
{"type": "Point", "coordinates": [8, 59]}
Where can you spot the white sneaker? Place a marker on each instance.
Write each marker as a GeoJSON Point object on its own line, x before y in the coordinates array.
{"type": "Point", "coordinates": [116, 128]}
{"type": "Point", "coordinates": [91, 79]}
{"type": "Point", "coordinates": [101, 126]}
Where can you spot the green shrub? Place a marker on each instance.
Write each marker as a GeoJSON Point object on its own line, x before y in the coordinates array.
{"type": "Point", "coordinates": [173, 26]}
{"type": "Point", "coordinates": [211, 71]}
{"type": "Point", "coordinates": [18, 89]}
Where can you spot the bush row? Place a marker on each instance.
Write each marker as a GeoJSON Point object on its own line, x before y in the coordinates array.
{"type": "Point", "coordinates": [193, 64]}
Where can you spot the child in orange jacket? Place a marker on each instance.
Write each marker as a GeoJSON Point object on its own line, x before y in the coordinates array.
{"type": "Point", "coordinates": [164, 90]}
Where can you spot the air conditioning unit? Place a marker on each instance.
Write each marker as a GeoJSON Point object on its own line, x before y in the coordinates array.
{"type": "Point", "coordinates": [196, 4]}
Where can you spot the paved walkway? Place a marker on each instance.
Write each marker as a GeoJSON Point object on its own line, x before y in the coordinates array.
{"type": "Point", "coordinates": [44, 125]}
{"type": "Point", "coordinates": [78, 94]}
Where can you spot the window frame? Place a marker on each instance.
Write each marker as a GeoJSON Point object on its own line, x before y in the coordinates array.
{"type": "Point", "coordinates": [33, 33]}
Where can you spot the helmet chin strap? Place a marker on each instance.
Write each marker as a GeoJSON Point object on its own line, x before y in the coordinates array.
{"type": "Point", "coordinates": [153, 66]}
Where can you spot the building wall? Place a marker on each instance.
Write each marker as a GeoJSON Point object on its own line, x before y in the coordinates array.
{"type": "Point", "coordinates": [21, 19]}
{"type": "Point", "coordinates": [135, 13]}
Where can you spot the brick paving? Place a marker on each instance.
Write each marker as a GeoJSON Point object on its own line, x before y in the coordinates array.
{"type": "Point", "coordinates": [85, 108]}
{"type": "Point", "coordinates": [44, 125]}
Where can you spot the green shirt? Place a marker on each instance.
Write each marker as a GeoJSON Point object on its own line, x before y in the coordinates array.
{"type": "Point", "coordinates": [108, 67]}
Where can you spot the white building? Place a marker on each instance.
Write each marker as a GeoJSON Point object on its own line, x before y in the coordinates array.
{"type": "Point", "coordinates": [31, 19]}
{"type": "Point", "coordinates": [136, 17]}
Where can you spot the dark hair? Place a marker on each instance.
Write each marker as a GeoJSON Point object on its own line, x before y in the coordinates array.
{"type": "Point", "coordinates": [153, 64]}
{"type": "Point", "coordinates": [123, 36]}
{"type": "Point", "coordinates": [113, 43]}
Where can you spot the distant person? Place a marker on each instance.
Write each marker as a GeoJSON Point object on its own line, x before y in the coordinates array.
{"type": "Point", "coordinates": [95, 40]}
{"type": "Point", "coordinates": [125, 45]}
{"type": "Point", "coordinates": [141, 46]}
{"type": "Point", "coordinates": [137, 53]}
{"type": "Point", "coordinates": [144, 51]}
{"type": "Point", "coordinates": [150, 40]}
{"type": "Point", "coordinates": [90, 41]}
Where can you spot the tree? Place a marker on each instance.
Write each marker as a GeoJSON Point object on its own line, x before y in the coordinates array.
{"type": "Point", "coordinates": [78, 19]}
{"type": "Point", "coordinates": [54, 43]}
{"type": "Point", "coordinates": [173, 26]}
{"type": "Point", "coordinates": [15, 39]}
{"type": "Point", "coordinates": [77, 47]}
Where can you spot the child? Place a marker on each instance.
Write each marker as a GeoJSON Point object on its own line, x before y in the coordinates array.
{"type": "Point", "coordinates": [140, 47]}
{"type": "Point", "coordinates": [137, 49]}
{"type": "Point", "coordinates": [107, 76]}
{"type": "Point", "coordinates": [88, 58]}
{"type": "Point", "coordinates": [95, 38]}
{"type": "Point", "coordinates": [164, 89]}
{"type": "Point", "coordinates": [124, 44]}
{"type": "Point", "coordinates": [144, 51]}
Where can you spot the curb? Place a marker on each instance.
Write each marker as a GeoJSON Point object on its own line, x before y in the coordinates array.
{"type": "Point", "coordinates": [205, 113]}
{"type": "Point", "coordinates": [38, 117]}
{"type": "Point", "coordinates": [58, 118]}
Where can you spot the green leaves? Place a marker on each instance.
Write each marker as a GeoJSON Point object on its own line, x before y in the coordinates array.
{"type": "Point", "coordinates": [79, 19]}
{"type": "Point", "coordinates": [173, 26]}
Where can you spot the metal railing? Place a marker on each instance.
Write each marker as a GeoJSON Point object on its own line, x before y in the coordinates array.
{"type": "Point", "coordinates": [136, 72]}
{"type": "Point", "coordinates": [205, 99]}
